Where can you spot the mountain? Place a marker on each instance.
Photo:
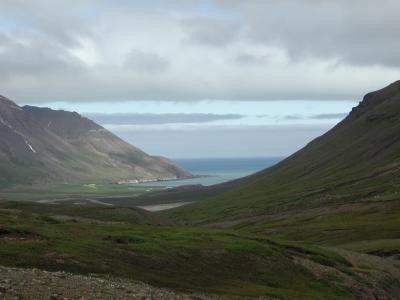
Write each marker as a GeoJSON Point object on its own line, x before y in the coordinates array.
{"type": "Point", "coordinates": [323, 224]}
{"type": "Point", "coordinates": [343, 185]}
{"type": "Point", "coordinates": [43, 145]}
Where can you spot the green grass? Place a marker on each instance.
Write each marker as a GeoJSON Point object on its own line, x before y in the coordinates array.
{"type": "Point", "coordinates": [334, 226]}
{"type": "Point", "coordinates": [84, 213]}
{"type": "Point", "coordinates": [184, 258]}
{"type": "Point", "coordinates": [381, 247]}
{"type": "Point", "coordinates": [73, 191]}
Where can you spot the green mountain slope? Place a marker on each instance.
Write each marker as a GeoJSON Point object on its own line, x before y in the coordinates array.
{"type": "Point", "coordinates": [341, 188]}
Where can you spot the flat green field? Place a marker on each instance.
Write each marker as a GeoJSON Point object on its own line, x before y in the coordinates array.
{"type": "Point", "coordinates": [73, 191]}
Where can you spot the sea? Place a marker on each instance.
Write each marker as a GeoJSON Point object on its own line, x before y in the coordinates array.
{"type": "Point", "coordinates": [215, 170]}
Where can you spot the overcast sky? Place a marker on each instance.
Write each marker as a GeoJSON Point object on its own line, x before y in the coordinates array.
{"type": "Point", "coordinates": [269, 75]}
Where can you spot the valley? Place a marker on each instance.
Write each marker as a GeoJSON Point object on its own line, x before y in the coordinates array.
{"type": "Point", "coordinates": [195, 150]}
{"type": "Point", "coordinates": [321, 224]}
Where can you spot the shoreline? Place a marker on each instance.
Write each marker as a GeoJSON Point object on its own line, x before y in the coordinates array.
{"type": "Point", "coordinates": [140, 181]}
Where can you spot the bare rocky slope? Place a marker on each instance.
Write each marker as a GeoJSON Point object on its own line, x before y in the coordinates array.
{"type": "Point", "coordinates": [44, 145]}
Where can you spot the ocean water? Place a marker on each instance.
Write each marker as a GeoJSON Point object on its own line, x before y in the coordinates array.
{"type": "Point", "coordinates": [215, 170]}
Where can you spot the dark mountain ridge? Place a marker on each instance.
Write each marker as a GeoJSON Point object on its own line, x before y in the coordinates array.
{"type": "Point", "coordinates": [43, 145]}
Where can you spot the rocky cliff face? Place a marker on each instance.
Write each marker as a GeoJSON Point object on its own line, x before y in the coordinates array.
{"type": "Point", "coordinates": [43, 145]}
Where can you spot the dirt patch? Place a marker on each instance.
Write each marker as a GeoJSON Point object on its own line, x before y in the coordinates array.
{"type": "Point", "coordinates": [394, 254]}
{"type": "Point", "coordinates": [12, 234]}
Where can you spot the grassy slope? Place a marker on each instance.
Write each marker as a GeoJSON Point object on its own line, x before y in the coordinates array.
{"type": "Point", "coordinates": [341, 190]}
{"type": "Point", "coordinates": [356, 162]}
{"type": "Point", "coordinates": [185, 258]}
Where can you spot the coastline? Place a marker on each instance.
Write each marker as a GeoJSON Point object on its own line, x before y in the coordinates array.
{"type": "Point", "coordinates": [139, 181]}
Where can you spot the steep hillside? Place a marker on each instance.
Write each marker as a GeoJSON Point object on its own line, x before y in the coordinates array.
{"type": "Point", "coordinates": [348, 175]}
{"type": "Point", "coordinates": [43, 145]}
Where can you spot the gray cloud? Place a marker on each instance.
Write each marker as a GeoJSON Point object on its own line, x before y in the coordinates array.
{"type": "Point", "coordinates": [146, 62]}
{"type": "Point", "coordinates": [59, 21]}
{"type": "Point", "coordinates": [357, 32]}
{"type": "Point", "coordinates": [150, 119]}
{"type": "Point", "coordinates": [329, 116]}
{"type": "Point", "coordinates": [247, 58]}
{"type": "Point", "coordinates": [293, 117]}
{"type": "Point", "coordinates": [188, 51]}
{"type": "Point", "coordinates": [212, 31]}
{"type": "Point", "coordinates": [34, 55]}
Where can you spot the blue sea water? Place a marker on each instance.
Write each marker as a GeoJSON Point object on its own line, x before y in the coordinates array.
{"type": "Point", "coordinates": [216, 170]}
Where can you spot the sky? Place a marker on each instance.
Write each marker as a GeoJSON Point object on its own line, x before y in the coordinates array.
{"type": "Point", "coordinates": [192, 78]}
